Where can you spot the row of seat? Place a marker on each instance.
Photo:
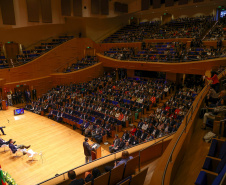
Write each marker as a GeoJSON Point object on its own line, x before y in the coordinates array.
{"type": "Point", "coordinates": [123, 175]}
{"type": "Point", "coordinates": [214, 168]}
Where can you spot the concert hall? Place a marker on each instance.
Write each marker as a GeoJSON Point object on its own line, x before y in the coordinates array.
{"type": "Point", "coordinates": [112, 92]}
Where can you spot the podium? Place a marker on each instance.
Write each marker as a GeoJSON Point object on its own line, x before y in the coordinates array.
{"type": "Point", "coordinates": [96, 151]}
{"type": "Point", "coordinates": [4, 105]}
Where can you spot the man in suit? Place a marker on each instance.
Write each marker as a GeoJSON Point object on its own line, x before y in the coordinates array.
{"type": "Point", "coordinates": [116, 143]}
{"type": "Point", "coordinates": [87, 151]}
{"type": "Point", "coordinates": [99, 136]}
{"type": "Point", "coordinates": [34, 94]}
{"type": "Point", "coordinates": [138, 133]}
{"type": "Point", "coordinates": [84, 126]}
{"type": "Point", "coordinates": [74, 181]}
{"type": "Point", "coordinates": [130, 139]}
{"type": "Point", "coordinates": [3, 142]}
{"type": "Point", "coordinates": [125, 135]}
{"type": "Point", "coordinates": [143, 135]}
{"type": "Point", "coordinates": [1, 128]}
{"type": "Point", "coordinates": [140, 124]}
{"type": "Point", "coordinates": [50, 115]}
{"type": "Point", "coordinates": [14, 148]}
{"type": "Point", "coordinates": [89, 129]}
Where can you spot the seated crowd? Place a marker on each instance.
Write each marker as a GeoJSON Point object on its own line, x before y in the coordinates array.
{"type": "Point", "coordinates": [167, 52]}
{"type": "Point", "coordinates": [101, 105]}
{"type": "Point", "coordinates": [98, 106]}
{"type": "Point", "coordinates": [29, 55]}
{"type": "Point", "coordinates": [166, 119]}
{"type": "Point", "coordinates": [92, 176]}
{"type": "Point", "coordinates": [219, 31]}
{"type": "Point", "coordinates": [80, 64]}
{"type": "Point", "coordinates": [179, 28]}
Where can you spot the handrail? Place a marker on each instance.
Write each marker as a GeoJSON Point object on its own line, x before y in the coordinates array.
{"type": "Point", "coordinates": [40, 41]}
{"type": "Point", "coordinates": [107, 33]}
{"type": "Point", "coordinates": [209, 30]}
{"type": "Point", "coordinates": [66, 63]}
{"type": "Point", "coordinates": [186, 123]}
{"type": "Point", "coordinates": [161, 140]}
{"type": "Point", "coordinates": [158, 141]}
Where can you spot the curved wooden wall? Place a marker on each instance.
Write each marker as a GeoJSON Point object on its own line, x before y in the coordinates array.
{"type": "Point", "coordinates": [81, 75]}
{"type": "Point", "coordinates": [199, 67]}
{"type": "Point", "coordinates": [180, 147]}
{"type": "Point", "coordinates": [106, 46]}
{"type": "Point", "coordinates": [49, 62]}
{"type": "Point", "coordinates": [43, 84]}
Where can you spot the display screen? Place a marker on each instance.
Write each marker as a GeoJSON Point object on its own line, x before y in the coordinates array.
{"type": "Point", "coordinates": [223, 13]}
{"type": "Point", "coordinates": [18, 111]}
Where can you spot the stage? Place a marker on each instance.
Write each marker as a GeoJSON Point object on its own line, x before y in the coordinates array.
{"type": "Point", "coordinates": [61, 147]}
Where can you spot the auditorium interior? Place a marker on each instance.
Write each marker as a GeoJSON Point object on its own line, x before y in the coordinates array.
{"type": "Point", "coordinates": [143, 80]}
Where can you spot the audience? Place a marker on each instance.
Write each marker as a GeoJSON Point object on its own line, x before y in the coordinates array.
{"type": "Point", "coordinates": [74, 181]}
{"type": "Point", "coordinates": [90, 177]}
{"type": "Point", "coordinates": [125, 157]}
{"type": "Point", "coordinates": [80, 64]}
{"type": "Point", "coordinates": [179, 28]}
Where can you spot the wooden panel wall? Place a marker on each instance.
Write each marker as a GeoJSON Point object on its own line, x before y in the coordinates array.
{"type": "Point", "coordinates": [169, 3]}
{"type": "Point", "coordinates": [42, 85]}
{"type": "Point", "coordinates": [104, 7]}
{"type": "Point", "coordinates": [95, 6]}
{"type": "Point", "coordinates": [7, 10]}
{"type": "Point", "coordinates": [106, 46]}
{"type": "Point", "coordinates": [156, 4]}
{"type": "Point", "coordinates": [49, 62]}
{"type": "Point", "coordinates": [82, 75]}
{"type": "Point", "coordinates": [33, 10]}
{"type": "Point", "coordinates": [46, 11]}
{"type": "Point", "coordinates": [183, 2]}
{"type": "Point", "coordinates": [66, 7]}
{"type": "Point", "coordinates": [185, 67]}
{"type": "Point", "coordinates": [77, 8]}
{"type": "Point", "coordinates": [145, 4]}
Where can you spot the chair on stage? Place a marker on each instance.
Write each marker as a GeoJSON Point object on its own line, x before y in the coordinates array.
{"type": "Point", "coordinates": [31, 154]}
{"type": "Point", "coordinates": [16, 154]}
{"type": "Point", "coordinates": [4, 146]}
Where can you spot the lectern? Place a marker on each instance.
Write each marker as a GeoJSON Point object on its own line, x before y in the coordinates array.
{"type": "Point", "coordinates": [96, 153]}
{"type": "Point", "coordinates": [4, 105]}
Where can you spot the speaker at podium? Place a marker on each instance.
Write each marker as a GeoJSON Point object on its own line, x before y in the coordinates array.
{"type": "Point", "coordinates": [96, 151]}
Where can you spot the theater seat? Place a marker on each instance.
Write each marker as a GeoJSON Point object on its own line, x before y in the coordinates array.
{"type": "Point", "coordinates": [202, 179]}
{"type": "Point", "coordinates": [206, 178]}
{"type": "Point", "coordinates": [212, 150]}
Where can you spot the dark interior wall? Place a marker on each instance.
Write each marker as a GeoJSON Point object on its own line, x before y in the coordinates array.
{"type": "Point", "coordinates": [32, 34]}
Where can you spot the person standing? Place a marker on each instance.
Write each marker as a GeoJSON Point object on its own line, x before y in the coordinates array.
{"type": "Point", "coordinates": [87, 150]}
{"type": "Point", "coordinates": [9, 97]}
{"type": "Point", "coordinates": [34, 94]}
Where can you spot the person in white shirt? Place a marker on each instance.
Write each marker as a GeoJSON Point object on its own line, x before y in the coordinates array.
{"type": "Point", "coordinates": [9, 96]}
{"type": "Point", "coordinates": [117, 114]}
{"type": "Point", "coordinates": [144, 126]}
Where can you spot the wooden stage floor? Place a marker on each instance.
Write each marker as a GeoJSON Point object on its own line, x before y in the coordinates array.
{"type": "Point", "coordinates": [61, 147]}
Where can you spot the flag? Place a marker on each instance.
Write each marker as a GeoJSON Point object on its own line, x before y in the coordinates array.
{"type": "Point", "coordinates": [2, 180]}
